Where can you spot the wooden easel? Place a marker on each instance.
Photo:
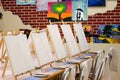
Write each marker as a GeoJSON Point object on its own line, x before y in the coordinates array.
{"type": "Point", "coordinates": [53, 42]}
{"type": "Point", "coordinates": [64, 40]}
{"type": "Point", "coordinates": [77, 31]}
{"type": "Point", "coordinates": [4, 52]}
{"type": "Point", "coordinates": [40, 35]}
{"type": "Point", "coordinates": [37, 30]}
{"type": "Point", "coordinates": [15, 32]}
{"type": "Point", "coordinates": [74, 32]}
{"type": "Point", "coordinates": [2, 46]}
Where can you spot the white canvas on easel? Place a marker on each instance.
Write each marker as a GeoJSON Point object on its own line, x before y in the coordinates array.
{"type": "Point", "coordinates": [83, 45]}
{"type": "Point", "coordinates": [19, 54]}
{"type": "Point", "coordinates": [54, 35]}
{"type": "Point", "coordinates": [42, 48]}
{"type": "Point", "coordinates": [70, 40]}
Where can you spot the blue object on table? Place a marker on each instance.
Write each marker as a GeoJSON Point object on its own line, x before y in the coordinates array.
{"type": "Point", "coordinates": [80, 58]}
{"type": "Point", "coordinates": [32, 78]}
{"type": "Point", "coordinates": [52, 70]}
{"type": "Point", "coordinates": [65, 63]}
{"type": "Point", "coordinates": [41, 75]}
{"type": "Point", "coordinates": [90, 54]}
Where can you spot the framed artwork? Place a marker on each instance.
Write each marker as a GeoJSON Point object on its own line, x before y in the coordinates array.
{"type": "Point", "coordinates": [25, 2]}
{"type": "Point", "coordinates": [92, 3]}
{"type": "Point", "coordinates": [106, 34]}
{"type": "Point", "coordinates": [42, 5]}
{"type": "Point", "coordinates": [79, 10]}
{"type": "Point", "coordinates": [109, 33]}
{"type": "Point", "coordinates": [59, 11]}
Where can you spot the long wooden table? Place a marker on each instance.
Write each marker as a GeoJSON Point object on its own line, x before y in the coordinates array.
{"type": "Point", "coordinates": [54, 74]}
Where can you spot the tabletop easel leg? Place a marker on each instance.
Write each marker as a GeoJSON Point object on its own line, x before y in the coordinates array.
{"type": "Point", "coordinates": [6, 62]}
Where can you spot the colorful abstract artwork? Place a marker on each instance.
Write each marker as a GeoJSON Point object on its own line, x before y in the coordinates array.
{"type": "Point", "coordinates": [59, 11]}
{"type": "Point", "coordinates": [42, 5]}
{"type": "Point", "coordinates": [106, 34]}
{"type": "Point", "coordinates": [79, 10]}
{"type": "Point", "coordinates": [109, 33]}
{"type": "Point", "coordinates": [92, 3]}
{"type": "Point", "coordinates": [109, 30]}
{"type": "Point", "coordinates": [25, 2]}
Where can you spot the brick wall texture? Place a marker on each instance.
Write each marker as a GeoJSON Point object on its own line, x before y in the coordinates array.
{"type": "Point", "coordinates": [29, 15]}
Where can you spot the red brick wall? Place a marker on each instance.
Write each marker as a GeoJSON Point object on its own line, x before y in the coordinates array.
{"type": "Point", "coordinates": [29, 15]}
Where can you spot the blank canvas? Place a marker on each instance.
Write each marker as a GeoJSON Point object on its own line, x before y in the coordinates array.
{"type": "Point", "coordinates": [19, 54]}
{"type": "Point", "coordinates": [70, 40]}
{"type": "Point", "coordinates": [42, 47]}
{"type": "Point", "coordinates": [57, 41]}
{"type": "Point", "coordinates": [83, 45]}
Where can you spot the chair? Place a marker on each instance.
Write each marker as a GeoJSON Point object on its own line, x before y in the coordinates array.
{"type": "Point", "coordinates": [99, 72]}
{"type": "Point", "coordinates": [97, 61]}
{"type": "Point", "coordinates": [85, 69]}
{"type": "Point", "coordinates": [110, 64]}
{"type": "Point", "coordinates": [106, 71]}
{"type": "Point", "coordinates": [112, 53]}
{"type": "Point", "coordinates": [65, 74]}
{"type": "Point", "coordinates": [103, 71]}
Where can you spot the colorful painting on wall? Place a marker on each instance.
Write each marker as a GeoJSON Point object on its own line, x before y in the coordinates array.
{"type": "Point", "coordinates": [25, 2]}
{"type": "Point", "coordinates": [42, 5]}
{"type": "Point", "coordinates": [59, 11]}
{"type": "Point", "coordinates": [79, 10]}
{"type": "Point", "coordinates": [109, 33]}
{"type": "Point", "coordinates": [92, 3]}
{"type": "Point", "coordinates": [106, 34]}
